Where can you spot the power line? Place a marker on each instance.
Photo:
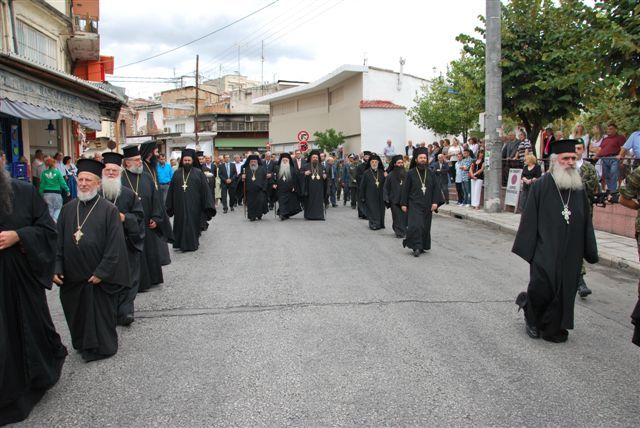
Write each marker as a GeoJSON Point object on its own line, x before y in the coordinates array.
{"type": "Point", "coordinates": [200, 38]}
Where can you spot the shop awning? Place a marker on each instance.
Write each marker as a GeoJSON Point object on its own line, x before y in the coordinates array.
{"type": "Point", "coordinates": [240, 143]}
{"type": "Point", "coordinates": [35, 112]}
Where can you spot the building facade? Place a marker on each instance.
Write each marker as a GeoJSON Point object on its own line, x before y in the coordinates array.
{"type": "Point", "coordinates": [367, 104]}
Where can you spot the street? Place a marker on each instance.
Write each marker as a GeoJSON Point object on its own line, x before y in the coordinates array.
{"type": "Point", "coordinates": [302, 323]}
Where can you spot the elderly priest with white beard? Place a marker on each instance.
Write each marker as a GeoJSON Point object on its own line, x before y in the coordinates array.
{"type": "Point", "coordinates": [132, 218]}
{"type": "Point", "coordinates": [555, 234]}
{"type": "Point", "coordinates": [91, 265]}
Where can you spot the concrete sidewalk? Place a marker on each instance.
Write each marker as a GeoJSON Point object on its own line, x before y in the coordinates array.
{"type": "Point", "coordinates": [615, 251]}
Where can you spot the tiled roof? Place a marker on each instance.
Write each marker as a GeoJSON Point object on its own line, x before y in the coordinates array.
{"type": "Point", "coordinates": [379, 104]}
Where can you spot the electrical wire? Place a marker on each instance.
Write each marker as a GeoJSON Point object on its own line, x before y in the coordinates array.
{"type": "Point", "coordinates": [200, 38]}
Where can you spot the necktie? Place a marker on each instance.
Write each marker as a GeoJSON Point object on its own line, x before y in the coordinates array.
{"type": "Point", "coordinates": [228, 172]}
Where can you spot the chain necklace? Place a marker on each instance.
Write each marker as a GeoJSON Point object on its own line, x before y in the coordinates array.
{"type": "Point", "coordinates": [315, 174]}
{"type": "Point", "coordinates": [423, 181]}
{"type": "Point", "coordinates": [375, 177]}
{"type": "Point", "coordinates": [114, 202]}
{"type": "Point", "coordinates": [153, 175]}
{"type": "Point", "coordinates": [184, 180]}
{"type": "Point", "coordinates": [78, 235]}
{"type": "Point", "coordinates": [566, 213]}
{"type": "Point", "coordinates": [253, 174]}
{"type": "Point", "coordinates": [126, 174]}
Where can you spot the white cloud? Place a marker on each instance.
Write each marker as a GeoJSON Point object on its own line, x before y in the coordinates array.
{"type": "Point", "coordinates": [303, 40]}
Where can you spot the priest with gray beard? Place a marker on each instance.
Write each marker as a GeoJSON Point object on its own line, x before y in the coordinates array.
{"type": "Point", "coordinates": [132, 219]}
{"type": "Point", "coordinates": [285, 184]}
{"type": "Point", "coordinates": [555, 234]}
{"type": "Point", "coordinates": [91, 265]}
{"type": "Point", "coordinates": [141, 183]}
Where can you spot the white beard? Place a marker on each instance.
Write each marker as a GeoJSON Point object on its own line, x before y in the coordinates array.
{"type": "Point", "coordinates": [284, 171]}
{"type": "Point", "coordinates": [111, 187]}
{"type": "Point", "coordinates": [87, 196]}
{"type": "Point", "coordinates": [254, 168]}
{"type": "Point", "coordinates": [566, 178]}
{"type": "Point", "coordinates": [135, 169]}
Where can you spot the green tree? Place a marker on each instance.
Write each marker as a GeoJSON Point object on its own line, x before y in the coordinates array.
{"type": "Point", "coordinates": [328, 140]}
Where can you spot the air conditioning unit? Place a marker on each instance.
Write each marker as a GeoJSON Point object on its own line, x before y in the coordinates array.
{"type": "Point", "coordinates": [167, 130]}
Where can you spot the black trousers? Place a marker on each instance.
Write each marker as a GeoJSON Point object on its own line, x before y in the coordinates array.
{"type": "Point", "coordinates": [225, 195]}
{"type": "Point", "coordinates": [460, 192]}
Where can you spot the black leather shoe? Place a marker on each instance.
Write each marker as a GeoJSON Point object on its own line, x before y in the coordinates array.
{"type": "Point", "coordinates": [532, 330]}
{"type": "Point", "coordinates": [583, 290]}
{"type": "Point", "coordinates": [126, 320]}
{"type": "Point", "coordinates": [225, 211]}
{"type": "Point", "coordinates": [231, 208]}
{"type": "Point", "coordinates": [416, 253]}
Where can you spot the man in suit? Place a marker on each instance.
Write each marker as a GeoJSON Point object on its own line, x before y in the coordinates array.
{"type": "Point", "coordinates": [227, 174]}
{"type": "Point", "coordinates": [441, 170]}
{"type": "Point", "coordinates": [269, 165]}
{"type": "Point", "coordinates": [298, 161]}
{"type": "Point", "coordinates": [332, 178]}
{"type": "Point", "coordinates": [237, 166]}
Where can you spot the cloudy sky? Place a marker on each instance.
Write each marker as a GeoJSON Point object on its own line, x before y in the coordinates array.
{"type": "Point", "coordinates": [303, 39]}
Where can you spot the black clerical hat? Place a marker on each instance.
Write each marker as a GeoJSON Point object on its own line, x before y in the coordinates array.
{"type": "Point", "coordinates": [366, 153]}
{"type": "Point", "coordinates": [313, 152]}
{"type": "Point", "coordinates": [147, 148]}
{"type": "Point", "coordinates": [563, 146]}
{"type": "Point", "coordinates": [90, 165]}
{"type": "Point", "coordinates": [420, 151]}
{"type": "Point", "coordinates": [253, 157]}
{"type": "Point", "coordinates": [374, 156]}
{"type": "Point", "coordinates": [284, 155]}
{"type": "Point", "coordinates": [199, 153]}
{"type": "Point", "coordinates": [189, 153]}
{"type": "Point", "coordinates": [392, 164]}
{"type": "Point", "coordinates": [112, 157]}
{"type": "Point", "coordinates": [130, 152]}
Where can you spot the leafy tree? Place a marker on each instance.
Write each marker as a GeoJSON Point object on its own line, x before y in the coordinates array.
{"type": "Point", "coordinates": [328, 140]}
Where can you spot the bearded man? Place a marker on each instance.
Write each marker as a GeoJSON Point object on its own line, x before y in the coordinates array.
{"type": "Point", "coordinates": [141, 183]}
{"type": "Point", "coordinates": [371, 193]}
{"type": "Point", "coordinates": [132, 219]}
{"type": "Point", "coordinates": [31, 352]}
{"type": "Point", "coordinates": [286, 187]}
{"type": "Point", "coordinates": [91, 265]}
{"type": "Point", "coordinates": [255, 188]}
{"type": "Point", "coordinates": [555, 234]}
{"type": "Point", "coordinates": [392, 194]}
{"type": "Point", "coordinates": [314, 187]}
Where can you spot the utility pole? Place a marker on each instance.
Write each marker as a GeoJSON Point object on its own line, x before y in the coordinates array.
{"type": "Point", "coordinates": [262, 64]}
{"type": "Point", "coordinates": [493, 107]}
{"type": "Point", "coordinates": [195, 117]}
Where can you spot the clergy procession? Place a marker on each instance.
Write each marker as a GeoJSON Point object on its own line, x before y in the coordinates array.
{"type": "Point", "coordinates": [112, 242]}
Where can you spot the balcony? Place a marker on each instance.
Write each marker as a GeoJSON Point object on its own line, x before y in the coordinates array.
{"type": "Point", "coordinates": [84, 44]}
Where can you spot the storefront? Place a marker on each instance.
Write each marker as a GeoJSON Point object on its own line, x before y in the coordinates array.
{"type": "Point", "coordinates": [45, 109]}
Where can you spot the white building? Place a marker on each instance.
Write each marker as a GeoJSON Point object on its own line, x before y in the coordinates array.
{"type": "Point", "coordinates": [367, 104]}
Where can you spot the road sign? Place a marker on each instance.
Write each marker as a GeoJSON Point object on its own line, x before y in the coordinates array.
{"type": "Point", "coordinates": [303, 136]}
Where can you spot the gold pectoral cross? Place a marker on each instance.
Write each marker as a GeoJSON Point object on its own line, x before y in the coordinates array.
{"type": "Point", "coordinates": [184, 186]}
{"type": "Point", "coordinates": [566, 214]}
{"type": "Point", "coordinates": [424, 190]}
{"type": "Point", "coordinates": [78, 235]}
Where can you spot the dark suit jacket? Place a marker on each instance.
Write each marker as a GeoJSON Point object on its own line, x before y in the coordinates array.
{"type": "Point", "coordinates": [222, 172]}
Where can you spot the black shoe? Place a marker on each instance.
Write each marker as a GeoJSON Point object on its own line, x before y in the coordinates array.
{"type": "Point", "coordinates": [583, 290]}
{"type": "Point", "coordinates": [559, 337]}
{"type": "Point", "coordinates": [532, 330]}
{"type": "Point", "coordinates": [416, 253]}
{"type": "Point", "coordinates": [334, 205]}
{"type": "Point", "coordinates": [225, 211]}
{"type": "Point", "coordinates": [231, 208]}
{"type": "Point", "coordinates": [126, 320]}
{"type": "Point", "coordinates": [353, 207]}
{"type": "Point", "coordinates": [252, 219]}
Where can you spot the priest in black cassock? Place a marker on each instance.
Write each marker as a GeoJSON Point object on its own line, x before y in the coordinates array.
{"type": "Point", "coordinates": [189, 200]}
{"type": "Point", "coordinates": [209, 172]}
{"type": "Point", "coordinates": [420, 198]}
{"type": "Point", "coordinates": [371, 192]}
{"type": "Point", "coordinates": [133, 226]}
{"type": "Point", "coordinates": [91, 265]}
{"type": "Point", "coordinates": [31, 352]}
{"type": "Point", "coordinates": [361, 168]}
{"type": "Point", "coordinates": [134, 178]}
{"type": "Point", "coordinates": [555, 234]}
{"type": "Point", "coordinates": [285, 184]}
{"type": "Point", "coordinates": [393, 194]}
{"type": "Point", "coordinates": [314, 187]}
{"type": "Point", "coordinates": [255, 188]}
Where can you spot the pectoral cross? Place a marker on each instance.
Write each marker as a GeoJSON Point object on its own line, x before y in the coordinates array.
{"type": "Point", "coordinates": [424, 190]}
{"type": "Point", "coordinates": [78, 235]}
{"type": "Point", "coordinates": [184, 186]}
{"type": "Point", "coordinates": [566, 213]}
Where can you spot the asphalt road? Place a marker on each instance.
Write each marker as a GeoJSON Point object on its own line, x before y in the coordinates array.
{"type": "Point", "coordinates": [302, 323]}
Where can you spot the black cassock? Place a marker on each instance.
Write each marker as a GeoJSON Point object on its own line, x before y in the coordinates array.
{"type": "Point", "coordinates": [190, 205]}
{"type": "Point", "coordinates": [314, 190]}
{"type": "Point", "coordinates": [360, 169]}
{"type": "Point", "coordinates": [287, 193]}
{"type": "Point", "coordinates": [392, 196]}
{"type": "Point", "coordinates": [31, 353]}
{"type": "Point", "coordinates": [153, 255]}
{"type": "Point", "coordinates": [134, 229]}
{"type": "Point", "coordinates": [419, 203]}
{"type": "Point", "coordinates": [91, 310]}
{"type": "Point", "coordinates": [554, 250]}
{"type": "Point", "coordinates": [256, 185]}
{"type": "Point", "coordinates": [370, 194]}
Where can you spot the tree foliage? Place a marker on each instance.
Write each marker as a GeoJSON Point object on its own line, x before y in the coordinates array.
{"type": "Point", "coordinates": [329, 140]}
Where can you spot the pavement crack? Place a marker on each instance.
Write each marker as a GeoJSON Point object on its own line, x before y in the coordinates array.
{"type": "Point", "coordinates": [224, 310]}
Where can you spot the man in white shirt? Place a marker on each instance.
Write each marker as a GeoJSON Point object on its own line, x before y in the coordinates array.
{"type": "Point", "coordinates": [389, 151]}
{"type": "Point", "coordinates": [37, 167]}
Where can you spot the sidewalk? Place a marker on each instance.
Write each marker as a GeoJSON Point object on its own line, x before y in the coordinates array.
{"type": "Point", "coordinates": [615, 251]}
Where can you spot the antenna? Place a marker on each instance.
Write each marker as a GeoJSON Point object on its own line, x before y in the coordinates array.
{"type": "Point", "coordinates": [365, 62]}
{"type": "Point", "coordinates": [402, 63]}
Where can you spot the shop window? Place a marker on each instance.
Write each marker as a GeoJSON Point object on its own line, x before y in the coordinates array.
{"type": "Point", "coordinates": [36, 46]}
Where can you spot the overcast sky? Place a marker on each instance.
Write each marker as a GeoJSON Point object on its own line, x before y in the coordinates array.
{"type": "Point", "coordinates": [303, 39]}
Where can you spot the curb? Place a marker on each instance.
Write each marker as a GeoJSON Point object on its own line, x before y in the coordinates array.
{"type": "Point", "coordinates": [607, 260]}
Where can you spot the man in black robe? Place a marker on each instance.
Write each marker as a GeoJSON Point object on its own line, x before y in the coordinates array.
{"type": "Point", "coordinates": [31, 352]}
{"type": "Point", "coordinates": [189, 199]}
{"type": "Point", "coordinates": [91, 265]}
{"type": "Point", "coordinates": [285, 184]}
{"type": "Point", "coordinates": [555, 234]}
{"type": "Point", "coordinates": [134, 178]}
{"type": "Point", "coordinates": [314, 187]}
{"type": "Point", "coordinates": [255, 185]}
{"type": "Point", "coordinates": [371, 193]}
{"type": "Point", "coordinates": [133, 226]}
{"type": "Point", "coordinates": [360, 169]}
{"type": "Point", "coordinates": [393, 194]}
{"type": "Point", "coordinates": [420, 198]}
{"type": "Point", "coordinates": [208, 169]}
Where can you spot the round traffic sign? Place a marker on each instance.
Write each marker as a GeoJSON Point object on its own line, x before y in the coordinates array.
{"type": "Point", "coordinates": [303, 136]}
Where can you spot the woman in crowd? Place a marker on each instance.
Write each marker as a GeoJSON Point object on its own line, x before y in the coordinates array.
{"type": "Point", "coordinates": [580, 134]}
{"type": "Point", "coordinates": [458, 179]}
{"type": "Point", "coordinates": [452, 154]}
{"type": "Point", "coordinates": [524, 145]}
{"type": "Point", "coordinates": [52, 185]}
{"type": "Point", "coordinates": [530, 173]}
{"type": "Point", "coordinates": [476, 174]}
{"type": "Point", "coordinates": [70, 176]}
{"type": "Point", "coordinates": [597, 135]}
